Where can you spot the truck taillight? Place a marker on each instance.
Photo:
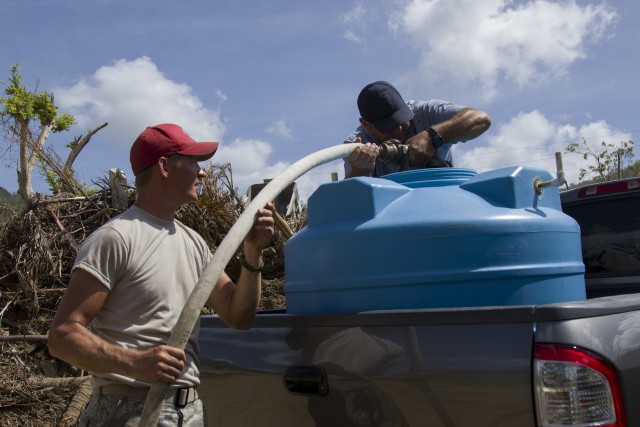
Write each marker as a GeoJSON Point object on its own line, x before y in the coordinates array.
{"type": "Point", "coordinates": [610, 187]}
{"type": "Point", "coordinates": [574, 387]}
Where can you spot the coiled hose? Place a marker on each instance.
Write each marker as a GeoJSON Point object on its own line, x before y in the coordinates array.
{"type": "Point", "coordinates": [222, 255]}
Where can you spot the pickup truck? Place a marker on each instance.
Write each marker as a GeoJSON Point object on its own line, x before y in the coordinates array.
{"type": "Point", "coordinates": [528, 361]}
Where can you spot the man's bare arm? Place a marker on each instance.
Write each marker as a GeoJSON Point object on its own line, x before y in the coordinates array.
{"type": "Point", "coordinates": [71, 341]}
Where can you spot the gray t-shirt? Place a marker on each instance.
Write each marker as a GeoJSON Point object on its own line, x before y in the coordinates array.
{"type": "Point", "coordinates": [150, 266]}
{"type": "Point", "coordinates": [426, 114]}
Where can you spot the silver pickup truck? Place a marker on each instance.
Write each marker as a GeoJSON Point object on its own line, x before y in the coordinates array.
{"type": "Point", "coordinates": [415, 343]}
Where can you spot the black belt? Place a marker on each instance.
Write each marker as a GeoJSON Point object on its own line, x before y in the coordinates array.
{"type": "Point", "coordinates": [180, 397]}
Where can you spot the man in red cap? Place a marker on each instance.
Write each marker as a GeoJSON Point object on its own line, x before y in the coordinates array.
{"type": "Point", "coordinates": [131, 279]}
{"type": "Point", "coordinates": [427, 128]}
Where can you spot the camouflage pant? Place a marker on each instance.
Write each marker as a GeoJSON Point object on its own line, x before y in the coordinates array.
{"type": "Point", "coordinates": [121, 411]}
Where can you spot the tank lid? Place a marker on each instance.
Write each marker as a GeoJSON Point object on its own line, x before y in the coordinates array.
{"type": "Point", "coordinates": [435, 177]}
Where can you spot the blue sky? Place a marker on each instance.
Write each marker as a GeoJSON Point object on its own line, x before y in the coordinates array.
{"type": "Point", "coordinates": [275, 81]}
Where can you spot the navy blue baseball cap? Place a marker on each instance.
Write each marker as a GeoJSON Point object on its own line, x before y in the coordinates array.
{"type": "Point", "coordinates": [381, 104]}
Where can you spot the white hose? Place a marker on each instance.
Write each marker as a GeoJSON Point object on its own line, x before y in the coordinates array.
{"type": "Point", "coordinates": [222, 255]}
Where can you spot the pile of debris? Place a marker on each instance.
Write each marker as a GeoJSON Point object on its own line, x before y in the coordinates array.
{"type": "Point", "coordinates": [37, 250]}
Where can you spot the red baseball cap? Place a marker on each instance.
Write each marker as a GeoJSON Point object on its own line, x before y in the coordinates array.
{"type": "Point", "coordinates": [163, 141]}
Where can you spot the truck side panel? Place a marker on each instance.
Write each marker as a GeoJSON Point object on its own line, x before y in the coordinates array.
{"type": "Point", "coordinates": [438, 369]}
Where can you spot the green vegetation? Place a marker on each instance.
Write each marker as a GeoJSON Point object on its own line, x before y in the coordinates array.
{"type": "Point", "coordinates": [9, 204]}
{"type": "Point", "coordinates": [26, 120]}
{"type": "Point", "coordinates": [605, 164]}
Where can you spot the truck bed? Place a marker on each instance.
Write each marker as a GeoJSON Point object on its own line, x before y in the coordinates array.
{"type": "Point", "coordinates": [436, 367]}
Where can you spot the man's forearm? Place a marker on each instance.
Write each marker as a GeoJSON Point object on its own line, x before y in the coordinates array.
{"type": "Point", "coordinates": [78, 346]}
{"type": "Point", "coordinates": [248, 290]}
{"type": "Point", "coordinates": [468, 123]}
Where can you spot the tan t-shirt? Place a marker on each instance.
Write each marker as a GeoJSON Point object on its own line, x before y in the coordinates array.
{"type": "Point", "coordinates": [150, 266]}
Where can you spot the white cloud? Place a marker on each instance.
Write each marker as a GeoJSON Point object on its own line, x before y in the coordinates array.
{"type": "Point", "coordinates": [115, 94]}
{"type": "Point", "coordinates": [131, 95]}
{"type": "Point", "coordinates": [322, 174]}
{"type": "Point", "coordinates": [531, 139]}
{"type": "Point", "coordinates": [356, 22]}
{"type": "Point", "coordinates": [486, 41]}
{"type": "Point", "coordinates": [352, 37]}
{"type": "Point", "coordinates": [221, 95]}
{"type": "Point", "coordinates": [248, 158]}
{"type": "Point", "coordinates": [280, 129]}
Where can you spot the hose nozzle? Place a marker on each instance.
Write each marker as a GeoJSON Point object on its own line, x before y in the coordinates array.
{"type": "Point", "coordinates": [392, 151]}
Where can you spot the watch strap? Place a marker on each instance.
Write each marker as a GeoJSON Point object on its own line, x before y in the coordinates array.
{"type": "Point", "coordinates": [436, 138]}
{"type": "Point", "coordinates": [250, 267]}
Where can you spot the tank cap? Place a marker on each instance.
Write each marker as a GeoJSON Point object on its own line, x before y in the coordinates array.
{"type": "Point", "coordinates": [434, 177]}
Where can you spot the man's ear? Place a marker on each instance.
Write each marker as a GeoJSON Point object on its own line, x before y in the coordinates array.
{"type": "Point", "coordinates": [163, 165]}
{"type": "Point", "coordinates": [365, 124]}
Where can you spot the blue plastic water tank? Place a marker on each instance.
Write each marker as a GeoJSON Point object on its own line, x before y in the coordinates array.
{"type": "Point", "coordinates": [434, 238]}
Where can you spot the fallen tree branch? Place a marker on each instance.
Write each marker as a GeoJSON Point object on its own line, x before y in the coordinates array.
{"type": "Point", "coordinates": [24, 338]}
{"type": "Point", "coordinates": [68, 199]}
{"type": "Point", "coordinates": [3, 310]}
{"type": "Point", "coordinates": [93, 217]}
{"type": "Point", "coordinates": [64, 231]}
{"type": "Point", "coordinates": [78, 403]}
{"type": "Point", "coordinates": [14, 294]}
{"type": "Point", "coordinates": [78, 146]}
{"type": "Point", "coordinates": [282, 224]}
{"type": "Point", "coordinates": [26, 286]}
{"type": "Point", "coordinates": [78, 214]}
{"type": "Point", "coordinates": [67, 382]}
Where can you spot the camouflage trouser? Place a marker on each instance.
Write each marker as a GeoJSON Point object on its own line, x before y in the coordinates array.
{"type": "Point", "coordinates": [122, 411]}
